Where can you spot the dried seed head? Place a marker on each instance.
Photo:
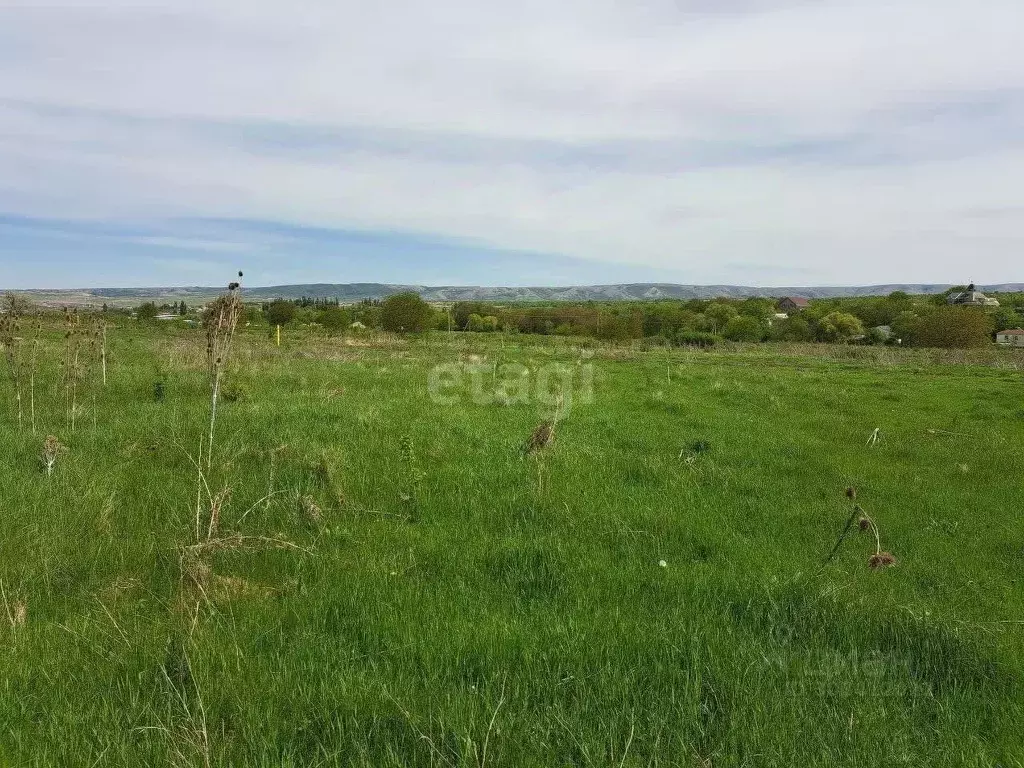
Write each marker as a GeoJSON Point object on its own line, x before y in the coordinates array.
{"type": "Point", "coordinates": [312, 509]}
{"type": "Point", "coordinates": [863, 524]}
{"type": "Point", "coordinates": [881, 560]}
{"type": "Point", "coordinates": [851, 492]}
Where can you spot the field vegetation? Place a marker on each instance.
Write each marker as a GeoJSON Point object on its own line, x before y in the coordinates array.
{"type": "Point", "coordinates": [744, 555]}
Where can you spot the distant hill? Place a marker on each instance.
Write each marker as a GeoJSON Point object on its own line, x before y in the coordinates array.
{"type": "Point", "coordinates": [353, 292]}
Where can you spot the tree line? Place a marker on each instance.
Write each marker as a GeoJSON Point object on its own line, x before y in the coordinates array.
{"type": "Point", "coordinates": [898, 318]}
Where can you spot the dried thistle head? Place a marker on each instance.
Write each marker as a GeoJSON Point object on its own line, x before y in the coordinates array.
{"type": "Point", "coordinates": [881, 560]}
{"type": "Point", "coordinates": [851, 493]}
{"type": "Point", "coordinates": [863, 524]}
{"type": "Point", "coordinates": [52, 447]}
{"type": "Point", "coordinates": [311, 509]}
{"type": "Point", "coordinates": [542, 437]}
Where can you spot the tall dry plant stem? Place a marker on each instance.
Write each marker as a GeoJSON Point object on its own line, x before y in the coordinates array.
{"type": "Point", "coordinates": [103, 350]}
{"type": "Point", "coordinates": [32, 375]}
{"type": "Point", "coordinates": [9, 327]}
{"type": "Point", "coordinates": [221, 320]}
{"type": "Point", "coordinates": [72, 352]}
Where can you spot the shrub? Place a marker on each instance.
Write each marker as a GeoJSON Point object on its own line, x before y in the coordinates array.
{"type": "Point", "coordinates": [794, 328]}
{"type": "Point", "coordinates": [954, 328]}
{"type": "Point", "coordinates": [406, 313]}
{"type": "Point", "coordinates": [839, 326]}
{"type": "Point", "coordinates": [696, 339]}
{"type": "Point", "coordinates": [743, 328]}
{"type": "Point", "coordinates": [334, 319]}
{"type": "Point", "coordinates": [280, 312]}
{"type": "Point", "coordinates": [146, 311]}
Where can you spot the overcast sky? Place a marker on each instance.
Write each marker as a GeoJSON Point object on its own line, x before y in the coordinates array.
{"type": "Point", "coordinates": [530, 142]}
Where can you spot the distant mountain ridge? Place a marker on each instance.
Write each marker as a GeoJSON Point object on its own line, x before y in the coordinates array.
{"type": "Point", "coordinates": [353, 292]}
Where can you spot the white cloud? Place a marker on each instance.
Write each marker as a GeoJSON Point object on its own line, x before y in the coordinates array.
{"type": "Point", "coordinates": [848, 141]}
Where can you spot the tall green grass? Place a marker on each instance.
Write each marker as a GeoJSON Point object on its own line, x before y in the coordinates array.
{"type": "Point", "coordinates": [502, 621]}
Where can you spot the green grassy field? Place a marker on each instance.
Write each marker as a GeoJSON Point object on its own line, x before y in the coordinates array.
{"type": "Point", "coordinates": [391, 582]}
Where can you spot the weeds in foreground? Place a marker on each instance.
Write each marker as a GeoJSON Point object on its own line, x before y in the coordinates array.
{"type": "Point", "coordinates": [15, 609]}
{"type": "Point", "coordinates": [71, 366]}
{"type": "Point", "coordinates": [221, 320]}
{"type": "Point", "coordinates": [879, 560]}
{"type": "Point", "coordinates": [52, 450]}
{"type": "Point", "coordinates": [33, 360]}
{"type": "Point", "coordinates": [12, 343]}
{"type": "Point", "coordinates": [413, 478]}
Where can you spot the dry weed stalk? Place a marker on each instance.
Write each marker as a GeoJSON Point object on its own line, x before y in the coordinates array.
{"type": "Point", "coordinates": [544, 434]}
{"type": "Point", "coordinates": [10, 326]}
{"type": "Point", "coordinates": [71, 365]}
{"type": "Point", "coordinates": [52, 449]}
{"type": "Point", "coordinates": [414, 477]}
{"type": "Point", "coordinates": [863, 522]}
{"type": "Point", "coordinates": [221, 320]}
{"type": "Point", "coordinates": [17, 610]}
{"type": "Point", "coordinates": [103, 350]}
{"type": "Point", "coordinates": [37, 331]}
{"type": "Point", "coordinates": [311, 509]}
{"type": "Point", "coordinates": [541, 438]}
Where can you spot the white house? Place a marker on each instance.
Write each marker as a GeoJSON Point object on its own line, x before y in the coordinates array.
{"type": "Point", "coordinates": [1011, 338]}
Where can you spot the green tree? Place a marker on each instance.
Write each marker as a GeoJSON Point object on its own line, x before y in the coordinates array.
{"type": "Point", "coordinates": [795, 328]}
{"type": "Point", "coordinates": [839, 327]}
{"type": "Point", "coordinates": [406, 313]}
{"type": "Point", "coordinates": [280, 312]}
{"type": "Point", "coordinates": [904, 327]}
{"type": "Point", "coordinates": [743, 328]}
{"type": "Point", "coordinates": [334, 319]}
{"type": "Point", "coordinates": [954, 327]}
{"type": "Point", "coordinates": [183, 308]}
{"type": "Point", "coordinates": [251, 314]}
{"type": "Point", "coordinates": [718, 315]}
{"type": "Point", "coordinates": [146, 311]}
{"type": "Point", "coordinates": [758, 308]}
{"type": "Point", "coordinates": [1006, 317]}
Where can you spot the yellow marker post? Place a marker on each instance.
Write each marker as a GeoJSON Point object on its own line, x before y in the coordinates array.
{"type": "Point", "coordinates": [279, 335]}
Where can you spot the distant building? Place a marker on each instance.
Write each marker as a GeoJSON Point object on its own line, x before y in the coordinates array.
{"type": "Point", "coordinates": [793, 304]}
{"type": "Point", "coordinates": [167, 316]}
{"type": "Point", "coordinates": [971, 298]}
{"type": "Point", "coordinates": [1011, 338]}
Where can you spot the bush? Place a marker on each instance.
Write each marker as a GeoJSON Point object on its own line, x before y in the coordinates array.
{"type": "Point", "coordinates": [280, 312]}
{"type": "Point", "coordinates": [334, 319]}
{"type": "Point", "coordinates": [146, 311]}
{"type": "Point", "coordinates": [743, 328]}
{"type": "Point", "coordinates": [406, 313]}
{"type": "Point", "coordinates": [954, 328]}
{"type": "Point", "coordinates": [696, 339]}
{"type": "Point", "coordinates": [839, 326]}
{"type": "Point", "coordinates": [794, 328]}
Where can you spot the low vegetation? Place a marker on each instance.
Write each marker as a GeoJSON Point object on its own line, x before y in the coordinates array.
{"type": "Point", "coordinates": [896, 319]}
{"type": "Point", "coordinates": [796, 554]}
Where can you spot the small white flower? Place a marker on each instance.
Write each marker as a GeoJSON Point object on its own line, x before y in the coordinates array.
{"type": "Point", "coordinates": [663, 564]}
